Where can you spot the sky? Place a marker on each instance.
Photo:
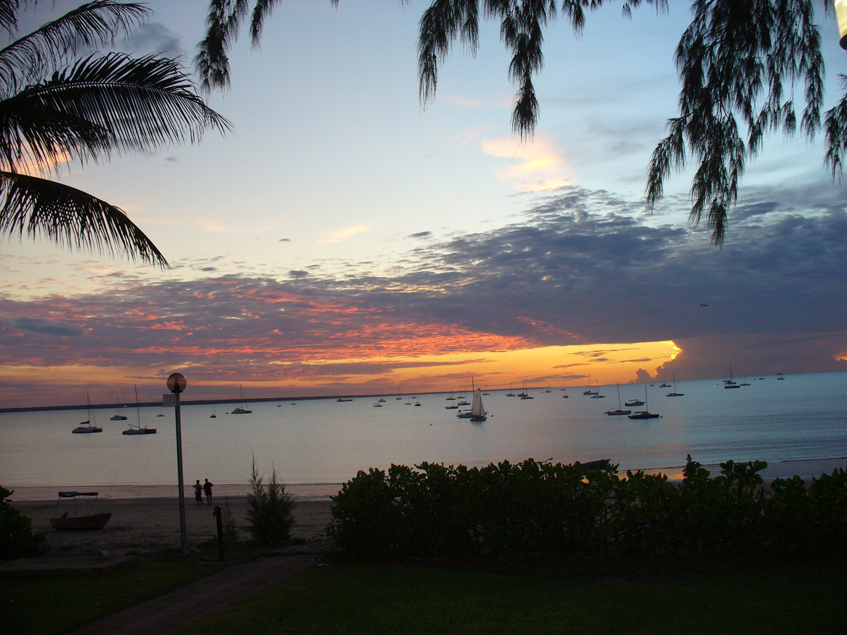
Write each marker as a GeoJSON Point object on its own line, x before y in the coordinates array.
{"type": "Point", "coordinates": [343, 239]}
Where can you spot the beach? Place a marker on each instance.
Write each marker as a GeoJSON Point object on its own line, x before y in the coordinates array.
{"type": "Point", "coordinates": [149, 525]}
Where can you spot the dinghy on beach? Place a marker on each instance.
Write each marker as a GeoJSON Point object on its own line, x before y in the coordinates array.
{"type": "Point", "coordinates": [80, 514]}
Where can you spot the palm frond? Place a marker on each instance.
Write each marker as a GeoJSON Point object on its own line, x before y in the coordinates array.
{"type": "Point", "coordinates": [100, 105]}
{"type": "Point", "coordinates": [70, 218]}
{"type": "Point", "coordinates": [88, 27]}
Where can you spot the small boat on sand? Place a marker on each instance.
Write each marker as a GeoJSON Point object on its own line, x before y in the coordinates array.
{"type": "Point", "coordinates": [79, 514]}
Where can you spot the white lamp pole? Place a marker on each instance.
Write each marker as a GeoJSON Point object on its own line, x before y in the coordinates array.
{"type": "Point", "coordinates": [841, 14]}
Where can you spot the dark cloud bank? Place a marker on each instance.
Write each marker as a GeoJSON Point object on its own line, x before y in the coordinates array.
{"type": "Point", "coordinates": [580, 267]}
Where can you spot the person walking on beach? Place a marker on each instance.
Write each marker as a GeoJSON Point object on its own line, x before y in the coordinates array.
{"type": "Point", "coordinates": [207, 487]}
{"type": "Point", "coordinates": [198, 492]}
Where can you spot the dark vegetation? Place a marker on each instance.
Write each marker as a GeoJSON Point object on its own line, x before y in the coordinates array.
{"type": "Point", "coordinates": [540, 509]}
{"type": "Point", "coordinates": [17, 539]}
{"type": "Point", "coordinates": [270, 511]}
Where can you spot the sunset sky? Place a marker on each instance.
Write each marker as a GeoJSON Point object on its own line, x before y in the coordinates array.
{"type": "Point", "coordinates": [342, 239]}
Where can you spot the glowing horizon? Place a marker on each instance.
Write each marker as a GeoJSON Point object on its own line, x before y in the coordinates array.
{"type": "Point", "coordinates": [555, 366]}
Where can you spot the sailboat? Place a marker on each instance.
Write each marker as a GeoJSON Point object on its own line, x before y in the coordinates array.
{"type": "Point", "coordinates": [117, 416]}
{"type": "Point", "coordinates": [644, 414]}
{"type": "Point", "coordinates": [478, 413]}
{"type": "Point", "coordinates": [86, 427]}
{"type": "Point", "coordinates": [618, 411]}
{"type": "Point", "coordinates": [675, 393]}
{"type": "Point", "coordinates": [730, 383]}
{"type": "Point", "coordinates": [596, 394]}
{"type": "Point", "coordinates": [241, 410]}
{"type": "Point", "coordinates": [589, 391]}
{"type": "Point", "coordinates": [133, 431]}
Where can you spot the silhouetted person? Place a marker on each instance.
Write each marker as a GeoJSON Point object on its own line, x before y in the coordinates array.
{"type": "Point", "coordinates": [198, 492]}
{"type": "Point", "coordinates": [207, 487]}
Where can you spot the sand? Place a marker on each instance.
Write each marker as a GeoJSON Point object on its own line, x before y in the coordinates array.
{"type": "Point", "coordinates": [148, 525]}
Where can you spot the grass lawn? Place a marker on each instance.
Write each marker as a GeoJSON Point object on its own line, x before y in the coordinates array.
{"type": "Point", "coordinates": [395, 600]}
{"type": "Point", "coordinates": [44, 606]}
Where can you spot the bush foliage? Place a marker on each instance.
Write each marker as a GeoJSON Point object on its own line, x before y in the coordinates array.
{"type": "Point", "coordinates": [540, 507]}
{"type": "Point", "coordinates": [16, 537]}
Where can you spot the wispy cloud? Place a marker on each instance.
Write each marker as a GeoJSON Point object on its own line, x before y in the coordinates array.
{"type": "Point", "coordinates": [536, 166]}
{"type": "Point", "coordinates": [345, 234]}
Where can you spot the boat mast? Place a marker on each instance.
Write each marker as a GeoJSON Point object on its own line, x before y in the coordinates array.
{"type": "Point", "coordinates": [137, 409]}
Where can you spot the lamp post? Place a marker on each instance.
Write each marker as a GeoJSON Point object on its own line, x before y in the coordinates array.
{"type": "Point", "coordinates": [176, 384]}
{"type": "Point", "coordinates": [841, 14]}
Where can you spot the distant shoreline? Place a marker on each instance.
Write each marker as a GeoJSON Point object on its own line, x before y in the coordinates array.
{"type": "Point", "coordinates": [198, 402]}
{"type": "Point", "coordinates": [785, 468]}
{"type": "Point", "coordinates": [201, 402]}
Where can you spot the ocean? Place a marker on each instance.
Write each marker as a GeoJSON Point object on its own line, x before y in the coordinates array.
{"type": "Point", "coordinates": [798, 425]}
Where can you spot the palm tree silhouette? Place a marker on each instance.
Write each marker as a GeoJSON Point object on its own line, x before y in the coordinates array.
{"type": "Point", "coordinates": [59, 105]}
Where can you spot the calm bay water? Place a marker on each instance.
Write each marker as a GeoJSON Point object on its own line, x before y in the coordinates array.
{"type": "Point", "coordinates": [317, 444]}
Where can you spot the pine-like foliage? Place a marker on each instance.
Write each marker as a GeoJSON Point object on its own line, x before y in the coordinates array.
{"type": "Point", "coordinates": [58, 106]}
{"type": "Point", "coordinates": [270, 510]}
{"type": "Point", "coordinates": [738, 62]}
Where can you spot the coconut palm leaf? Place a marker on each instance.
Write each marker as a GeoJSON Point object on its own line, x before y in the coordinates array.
{"type": "Point", "coordinates": [90, 26]}
{"type": "Point", "coordinates": [100, 105]}
{"type": "Point", "coordinates": [70, 218]}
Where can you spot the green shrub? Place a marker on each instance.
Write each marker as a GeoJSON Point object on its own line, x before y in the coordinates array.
{"type": "Point", "coordinates": [16, 537]}
{"type": "Point", "coordinates": [270, 510]}
{"type": "Point", "coordinates": [531, 507]}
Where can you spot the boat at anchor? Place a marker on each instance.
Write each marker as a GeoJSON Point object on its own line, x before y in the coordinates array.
{"type": "Point", "coordinates": [86, 427]}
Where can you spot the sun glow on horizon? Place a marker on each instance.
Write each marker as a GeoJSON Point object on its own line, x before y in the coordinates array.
{"type": "Point", "coordinates": [558, 366]}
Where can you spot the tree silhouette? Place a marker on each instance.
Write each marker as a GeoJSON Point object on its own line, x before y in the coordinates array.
{"type": "Point", "coordinates": [58, 106]}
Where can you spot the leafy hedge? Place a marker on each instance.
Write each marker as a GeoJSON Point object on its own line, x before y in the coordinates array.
{"type": "Point", "coordinates": [541, 507]}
